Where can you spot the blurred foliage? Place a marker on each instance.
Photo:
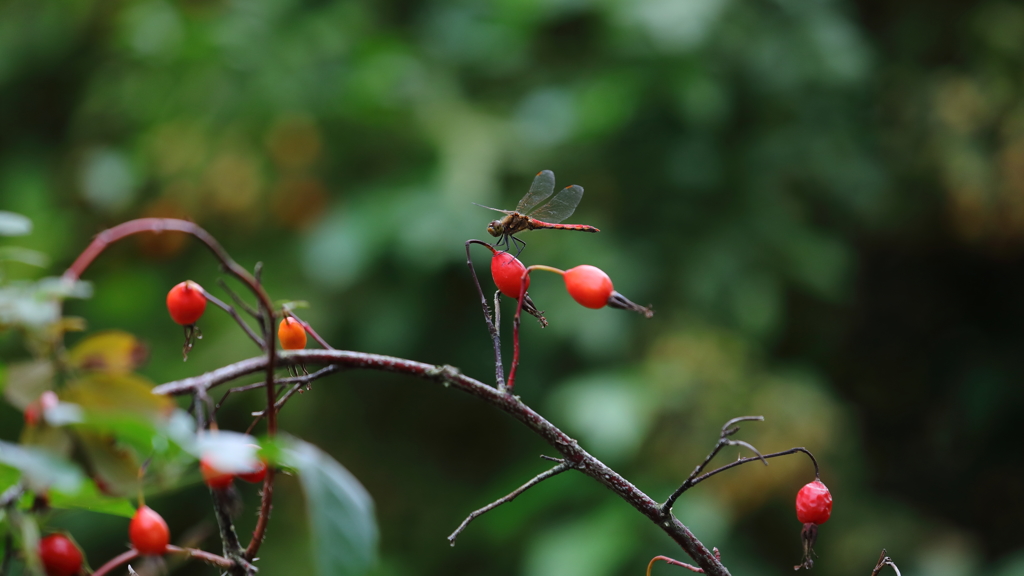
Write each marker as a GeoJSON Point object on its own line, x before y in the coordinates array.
{"type": "Point", "coordinates": [823, 200]}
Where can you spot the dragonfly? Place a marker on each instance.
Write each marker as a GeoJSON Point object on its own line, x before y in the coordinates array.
{"type": "Point", "coordinates": [531, 215]}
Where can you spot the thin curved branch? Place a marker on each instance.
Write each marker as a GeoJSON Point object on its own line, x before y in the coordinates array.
{"type": "Point", "coordinates": [234, 314]}
{"type": "Point", "coordinates": [562, 467]}
{"type": "Point", "coordinates": [728, 429]}
{"type": "Point", "coordinates": [499, 369]}
{"type": "Point", "coordinates": [129, 555]}
{"type": "Point", "coordinates": [570, 450]}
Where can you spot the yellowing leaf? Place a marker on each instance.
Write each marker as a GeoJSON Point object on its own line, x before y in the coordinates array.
{"type": "Point", "coordinates": [115, 468]}
{"type": "Point", "coordinates": [117, 394]}
{"type": "Point", "coordinates": [26, 381]}
{"type": "Point", "coordinates": [111, 351]}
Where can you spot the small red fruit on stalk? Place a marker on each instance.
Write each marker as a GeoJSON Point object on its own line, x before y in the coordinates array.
{"type": "Point", "coordinates": [588, 285]}
{"type": "Point", "coordinates": [507, 272]}
{"type": "Point", "coordinates": [291, 334]}
{"type": "Point", "coordinates": [214, 478]}
{"type": "Point", "coordinates": [813, 507]}
{"type": "Point", "coordinates": [186, 303]}
{"type": "Point", "coordinates": [813, 503]}
{"type": "Point", "coordinates": [60, 556]}
{"type": "Point", "coordinates": [256, 475]}
{"type": "Point", "coordinates": [148, 532]}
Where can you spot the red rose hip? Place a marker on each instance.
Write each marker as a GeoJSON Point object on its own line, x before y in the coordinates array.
{"type": "Point", "coordinates": [257, 475]}
{"type": "Point", "coordinates": [813, 503]}
{"type": "Point", "coordinates": [186, 303]}
{"type": "Point", "coordinates": [291, 334]}
{"type": "Point", "coordinates": [588, 285]}
{"type": "Point", "coordinates": [60, 556]}
{"type": "Point", "coordinates": [214, 478]}
{"type": "Point", "coordinates": [148, 532]}
{"type": "Point", "coordinates": [507, 272]}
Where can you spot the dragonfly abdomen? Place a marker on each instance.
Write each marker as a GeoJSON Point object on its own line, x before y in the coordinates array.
{"type": "Point", "coordinates": [534, 224]}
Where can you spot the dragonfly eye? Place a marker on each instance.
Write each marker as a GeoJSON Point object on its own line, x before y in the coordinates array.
{"type": "Point", "coordinates": [494, 228]}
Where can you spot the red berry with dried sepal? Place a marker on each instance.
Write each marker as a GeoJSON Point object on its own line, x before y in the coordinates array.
{"type": "Point", "coordinates": [186, 303]}
{"type": "Point", "coordinates": [588, 285]}
{"type": "Point", "coordinates": [507, 272]}
{"type": "Point", "coordinates": [214, 478]}
{"type": "Point", "coordinates": [292, 334]}
{"type": "Point", "coordinates": [60, 556]}
{"type": "Point", "coordinates": [813, 503]}
{"type": "Point", "coordinates": [148, 532]}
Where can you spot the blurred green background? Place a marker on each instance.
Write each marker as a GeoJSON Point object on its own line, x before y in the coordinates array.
{"type": "Point", "coordinates": [823, 201]}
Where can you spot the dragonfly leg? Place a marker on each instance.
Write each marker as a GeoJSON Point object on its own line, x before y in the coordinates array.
{"type": "Point", "coordinates": [519, 242]}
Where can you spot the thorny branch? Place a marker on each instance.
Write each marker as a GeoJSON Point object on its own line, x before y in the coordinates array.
{"type": "Point", "coordinates": [578, 458]}
{"type": "Point", "coordinates": [561, 467]}
{"type": "Point", "coordinates": [499, 369]}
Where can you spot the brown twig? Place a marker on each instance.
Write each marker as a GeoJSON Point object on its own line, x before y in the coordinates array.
{"type": "Point", "coordinates": [561, 467]}
{"type": "Point", "coordinates": [570, 450]}
{"type": "Point", "coordinates": [723, 440]}
{"type": "Point", "coordinates": [883, 561]}
{"type": "Point", "coordinates": [129, 555]}
{"type": "Point", "coordinates": [234, 314]}
{"type": "Point", "coordinates": [160, 225]}
{"type": "Point", "coordinates": [299, 382]}
{"type": "Point", "coordinates": [499, 369]}
{"type": "Point", "coordinates": [312, 332]}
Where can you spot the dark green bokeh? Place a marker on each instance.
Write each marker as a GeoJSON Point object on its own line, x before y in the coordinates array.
{"type": "Point", "coordinates": [823, 200]}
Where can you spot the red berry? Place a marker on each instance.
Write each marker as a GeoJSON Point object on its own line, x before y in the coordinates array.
{"type": "Point", "coordinates": [148, 532]}
{"type": "Point", "coordinates": [813, 503]}
{"type": "Point", "coordinates": [256, 475]}
{"type": "Point", "coordinates": [214, 478]}
{"type": "Point", "coordinates": [33, 412]}
{"type": "Point", "coordinates": [186, 303]}
{"type": "Point", "coordinates": [507, 272]}
{"type": "Point", "coordinates": [60, 556]}
{"type": "Point", "coordinates": [588, 285]}
{"type": "Point", "coordinates": [291, 334]}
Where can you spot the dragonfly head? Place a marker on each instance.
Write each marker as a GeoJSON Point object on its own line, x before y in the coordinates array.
{"type": "Point", "coordinates": [495, 228]}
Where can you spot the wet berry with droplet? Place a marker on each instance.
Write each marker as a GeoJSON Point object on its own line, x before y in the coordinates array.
{"type": "Point", "coordinates": [186, 303]}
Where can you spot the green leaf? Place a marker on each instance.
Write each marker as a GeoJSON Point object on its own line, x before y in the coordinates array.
{"type": "Point", "coordinates": [24, 255]}
{"type": "Point", "coordinates": [90, 498]}
{"type": "Point", "coordinates": [40, 469]}
{"type": "Point", "coordinates": [340, 510]}
{"type": "Point", "coordinates": [12, 224]}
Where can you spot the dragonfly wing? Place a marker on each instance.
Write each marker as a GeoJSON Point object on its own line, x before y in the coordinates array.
{"type": "Point", "coordinates": [542, 187]}
{"type": "Point", "coordinates": [495, 209]}
{"type": "Point", "coordinates": [561, 206]}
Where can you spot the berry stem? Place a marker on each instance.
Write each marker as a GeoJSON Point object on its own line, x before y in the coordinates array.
{"type": "Point", "coordinates": [517, 320]}
{"type": "Point", "coordinates": [312, 332]}
{"type": "Point", "coordinates": [499, 369]}
{"type": "Point", "coordinates": [234, 314]}
{"type": "Point", "coordinates": [668, 560]}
